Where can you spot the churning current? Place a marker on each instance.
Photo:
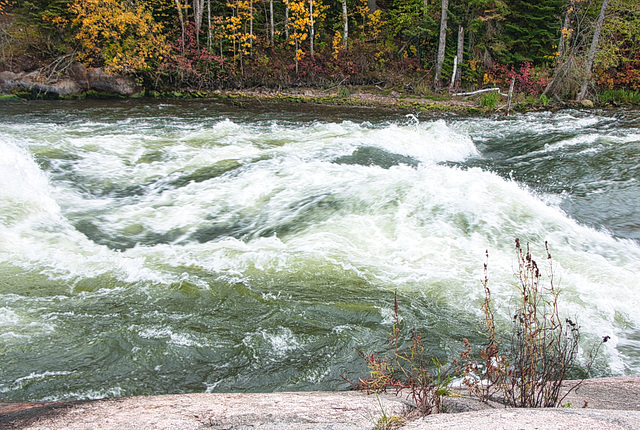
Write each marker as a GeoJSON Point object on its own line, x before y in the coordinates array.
{"type": "Point", "coordinates": [151, 247]}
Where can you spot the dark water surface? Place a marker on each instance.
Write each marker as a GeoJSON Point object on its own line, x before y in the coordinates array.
{"type": "Point", "coordinates": [152, 247]}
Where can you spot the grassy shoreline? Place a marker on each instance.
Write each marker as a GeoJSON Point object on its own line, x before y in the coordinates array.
{"type": "Point", "coordinates": [351, 96]}
{"type": "Point", "coordinates": [336, 96]}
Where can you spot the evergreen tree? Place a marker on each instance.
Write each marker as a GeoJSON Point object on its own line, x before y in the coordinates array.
{"type": "Point", "coordinates": [486, 22]}
{"type": "Point", "coordinates": [416, 23]}
{"type": "Point", "coordinates": [531, 30]}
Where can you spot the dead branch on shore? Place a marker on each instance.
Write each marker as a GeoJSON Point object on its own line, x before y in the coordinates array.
{"type": "Point", "coordinates": [473, 93]}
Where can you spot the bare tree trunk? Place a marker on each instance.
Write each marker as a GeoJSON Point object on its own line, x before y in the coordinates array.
{"type": "Point", "coordinates": [312, 31]}
{"type": "Point", "coordinates": [345, 19]}
{"type": "Point", "coordinates": [251, 25]}
{"type": "Point", "coordinates": [209, 35]}
{"type": "Point", "coordinates": [234, 39]}
{"type": "Point", "coordinates": [181, 17]}
{"type": "Point", "coordinates": [561, 60]}
{"type": "Point", "coordinates": [373, 5]}
{"type": "Point", "coordinates": [460, 55]}
{"type": "Point", "coordinates": [510, 94]}
{"type": "Point", "coordinates": [565, 34]}
{"type": "Point", "coordinates": [441, 44]}
{"type": "Point", "coordinates": [453, 75]}
{"type": "Point", "coordinates": [473, 93]}
{"type": "Point", "coordinates": [592, 51]}
{"type": "Point", "coordinates": [271, 22]}
{"type": "Point", "coordinates": [286, 19]}
{"type": "Point", "coordinates": [198, 11]}
{"type": "Point", "coordinates": [296, 55]}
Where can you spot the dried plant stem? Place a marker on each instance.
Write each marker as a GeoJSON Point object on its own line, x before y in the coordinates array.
{"type": "Point", "coordinates": [530, 369]}
{"type": "Point", "coordinates": [406, 371]}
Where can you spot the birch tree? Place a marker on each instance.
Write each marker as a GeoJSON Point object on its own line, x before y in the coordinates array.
{"type": "Point", "coordinates": [209, 26]}
{"type": "Point", "coordinates": [286, 18]}
{"type": "Point", "coordinates": [565, 33]}
{"type": "Point", "coordinates": [299, 27]}
{"type": "Point", "coordinates": [457, 75]}
{"type": "Point", "coordinates": [345, 20]}
{"type": "Point", "coordinates": [251, 36]}
{"type": "Point", "coordinates": [272, 27]}
{"type": "Point", "coordinates": [312, 29]}
{"type": "Point", "coordinates": [198, 12]}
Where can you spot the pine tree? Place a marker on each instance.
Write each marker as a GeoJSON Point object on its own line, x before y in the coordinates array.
{"type": "Point", "coordinates": [531, 30]}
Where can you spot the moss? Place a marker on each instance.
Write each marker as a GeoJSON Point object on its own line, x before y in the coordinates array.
{"type": "Point", "coordinates": [32, 95]}
{"type": "Point", "coordinates": [91, 94]}
{"type": "Point", "coordinates": [80, 96]}
{"type": "Point", "coordinates": [9, 97]}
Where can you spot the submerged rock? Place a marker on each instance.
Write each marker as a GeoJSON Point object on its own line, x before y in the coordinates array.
{"type": "Point", "coordinates": [371, 156]}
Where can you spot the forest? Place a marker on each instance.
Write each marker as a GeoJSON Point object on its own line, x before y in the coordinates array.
{"type": "Point", "coordinates": [564, 49]}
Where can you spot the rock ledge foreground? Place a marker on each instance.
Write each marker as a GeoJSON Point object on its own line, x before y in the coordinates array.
{"type": "Point", "coordinates": [605, 403]}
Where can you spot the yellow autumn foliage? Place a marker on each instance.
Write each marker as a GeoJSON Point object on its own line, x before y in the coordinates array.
{"type": "Point", "coordinates": [376, 23]}
{"type": "Point", "coordinates": [299, 21]}
{"type": "Point", "coordinates": [238, 26]}
{"type": "Point", "coordinates": [122, 37]}
{"type": "Point", "coordinates": [337, 44]}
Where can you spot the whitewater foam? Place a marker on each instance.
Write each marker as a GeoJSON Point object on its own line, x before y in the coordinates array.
{"type": "Point", "coordinates": [274, 240]}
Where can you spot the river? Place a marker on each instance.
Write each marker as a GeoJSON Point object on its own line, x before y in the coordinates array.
{"type": "Point", "coordinates": [151, 247]}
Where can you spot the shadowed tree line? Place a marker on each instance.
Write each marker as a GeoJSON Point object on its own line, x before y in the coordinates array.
{"type": "Point", "coordinates": [555, 48]}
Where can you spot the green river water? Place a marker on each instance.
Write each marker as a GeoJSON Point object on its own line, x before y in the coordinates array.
{"type": "Point", "coordinates": [151, 247]}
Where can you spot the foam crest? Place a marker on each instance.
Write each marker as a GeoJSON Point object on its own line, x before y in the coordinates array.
{"type": "Point", "coordinates": [24, 188]}
{"type": "Point", "coordinates": [423, 229]}
{"type": "Point", "coordinates": [131, 222]}
{"type": "Point", "coordinates": [430, 142]}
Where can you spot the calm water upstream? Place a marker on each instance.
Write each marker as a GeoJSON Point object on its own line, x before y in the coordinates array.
{"type": "Point", "coordinates": [152, 247]}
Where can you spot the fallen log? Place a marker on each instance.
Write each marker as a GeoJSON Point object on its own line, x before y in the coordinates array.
{"type": "Point", "coordinates": [473, 93]}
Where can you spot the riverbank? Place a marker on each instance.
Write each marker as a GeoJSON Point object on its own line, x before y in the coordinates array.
{"type": "Point", "coordinates": [602, 403]}
{"type": "Point", "coordinates": [363, 97]}
{"type": "Point", "coordinates": [81, 82]}
{"type": "Point", "coordinates": [358, 97]}
{"type": "Point", "coordinates": [389, 98]}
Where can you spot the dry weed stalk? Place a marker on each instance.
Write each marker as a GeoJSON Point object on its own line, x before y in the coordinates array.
{"type": "Point", "coordinates": [530, 369]}
{"type": "Point", "coordinates": [425, 380]}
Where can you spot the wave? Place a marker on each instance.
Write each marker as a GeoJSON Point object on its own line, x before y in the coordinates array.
{"type": "Point", "coordinates": [223, 215]}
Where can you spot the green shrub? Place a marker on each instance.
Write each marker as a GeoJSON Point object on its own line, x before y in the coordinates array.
{"type": "Point", "coordinates": [344, 92]}
{"type": "Point", "coordinates": [490, 100]}
{"type": "Point", "coordinates": [619, 96]}
{"type": "Point", "coordinates": [544, 99]}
